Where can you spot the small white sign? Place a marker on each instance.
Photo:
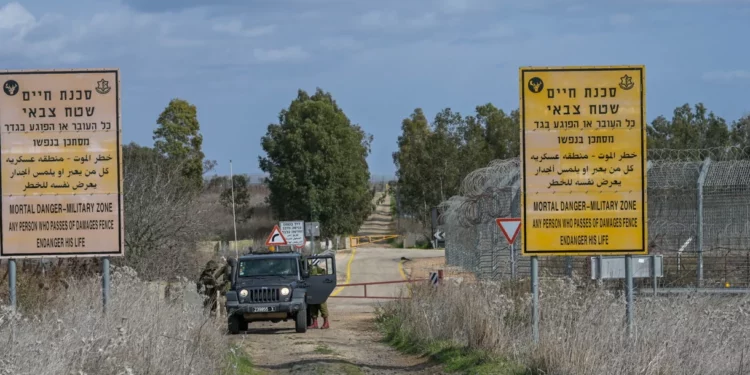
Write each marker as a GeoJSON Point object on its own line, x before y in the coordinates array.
{"type": "Point", "coordinates": [294, 232]}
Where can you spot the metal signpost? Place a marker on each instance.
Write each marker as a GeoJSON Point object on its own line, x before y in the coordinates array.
{"type": "Point", "coordinates": [583, 163]}
{"type": "Point", "coordinates": [510, 228]}
{"type": "Point", "coordinates": [61, 167]}
{"type": "Point", "coordinates": [312, 230]}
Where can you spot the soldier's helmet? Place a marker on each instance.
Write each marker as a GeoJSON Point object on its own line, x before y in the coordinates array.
{"type": "Point", "coordinates": [212, 265]}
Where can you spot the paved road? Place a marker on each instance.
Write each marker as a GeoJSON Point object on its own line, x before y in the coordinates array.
{"type": "Point", "coordinates": [352, 345]}
{"type": "Point", "coordinates": [380, 221]}
{"type": "Point", "coordinates": [372, 264]}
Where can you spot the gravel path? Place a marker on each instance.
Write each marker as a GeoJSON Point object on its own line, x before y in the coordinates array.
{"type": "Point", "coordinates": [352, 345]}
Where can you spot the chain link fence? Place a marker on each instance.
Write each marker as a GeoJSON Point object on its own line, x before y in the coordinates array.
{"type": "Point", "coordinates": [698, 220]}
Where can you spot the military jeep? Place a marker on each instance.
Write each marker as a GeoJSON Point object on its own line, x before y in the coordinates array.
{"type": "Point", "coordinates": [275, 287]}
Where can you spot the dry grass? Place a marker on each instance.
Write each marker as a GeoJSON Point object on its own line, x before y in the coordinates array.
{"type": "Point", "coordinates": [140, 334]}
{"type": "Point", "coordinates": [582, 328]}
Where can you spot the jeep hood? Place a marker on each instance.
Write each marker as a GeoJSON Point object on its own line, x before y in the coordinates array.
{"type": "Point", "coordinates": [270, 281]}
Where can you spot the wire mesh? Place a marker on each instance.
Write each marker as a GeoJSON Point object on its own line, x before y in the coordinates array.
{"type": "Point", "coordinates": [687, 190]}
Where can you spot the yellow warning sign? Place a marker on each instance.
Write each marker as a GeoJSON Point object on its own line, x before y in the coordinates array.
{"type": "Point", "coordinates": [60, 164]}
{"type": "Point", "coordinates": [583, 161]}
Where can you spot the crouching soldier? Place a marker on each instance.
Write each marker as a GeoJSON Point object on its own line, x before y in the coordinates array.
{"type": "Point", "coordinates": [212, 280]}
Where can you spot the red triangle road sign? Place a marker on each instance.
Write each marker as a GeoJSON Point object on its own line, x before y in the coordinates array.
{"type": "Point", "coordinates": [509, 227]}
{"type": "Point", "coordinates": [276, 238]}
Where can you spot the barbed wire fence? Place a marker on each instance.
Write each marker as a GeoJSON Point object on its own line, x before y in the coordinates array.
{"type": "Point", "coordinates": [698, 220]}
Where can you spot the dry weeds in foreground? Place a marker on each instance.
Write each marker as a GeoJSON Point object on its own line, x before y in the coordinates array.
{"type": "Point", "coordinates": [141, 334]}
{"type": "Point", "coordinates": [582, 328]}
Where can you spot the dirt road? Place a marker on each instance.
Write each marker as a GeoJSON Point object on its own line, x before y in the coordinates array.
{"type": "Point", "coordinates": [352, 345]}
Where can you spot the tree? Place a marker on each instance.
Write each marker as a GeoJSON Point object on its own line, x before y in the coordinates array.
{"type": "Point", "coordinates": [164, 218]}
{"type": "Point", "coordinates": [741, 132]}
{"type": "Point", "coordinates": [502, 131]}
{"type": "Point", "coordinates": [317, 167]}
{"type": "Point", "coordinates": [178, 137]}
{"type": "Point", "coordinates": [432, 160]}
{"type": "Point", "coordinates": [242, 206]}
{"type": "Point", "coordinates": [414, 166]}
{"type": "Point", "coordinates": [688, 129]}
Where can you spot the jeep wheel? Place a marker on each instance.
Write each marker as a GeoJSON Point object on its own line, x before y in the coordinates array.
{"type": "Point", "coordinates": [300, 321]}
{"type": "Point", "coordinates": [243, 325]}
{"type": "Point", "coordinates": [234, 324]}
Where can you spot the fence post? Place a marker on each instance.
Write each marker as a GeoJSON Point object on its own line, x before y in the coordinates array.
{"type": "Point", "coordinates": [218, 307]}
{"type": "Point", "coordinates": [535, 299]}
{"type": "Point", "coordinates": [726, 275]}
{"type": "Point", "coordinates": [512, 262]}
{"type": "Point", "coordinates": [653, 272]}
{"type": "Point", "coordinates": [629, 287]}
{"type": "Point", "coordinates": [701, 181]}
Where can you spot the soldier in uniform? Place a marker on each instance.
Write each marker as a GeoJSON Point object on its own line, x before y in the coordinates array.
{"type": "Point", "coordinates": [211, 280]}
{"type": "Point", "coordinates": [322, 308]}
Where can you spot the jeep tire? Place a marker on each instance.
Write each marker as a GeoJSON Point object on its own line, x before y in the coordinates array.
{"type": "Point", "coordinates": [300, 321]}
{"type": "Point", "coordinates": [233, 324]}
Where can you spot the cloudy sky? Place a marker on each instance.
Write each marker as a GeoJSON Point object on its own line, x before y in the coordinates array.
{"type": "Point", "coordinates": [241, 62]}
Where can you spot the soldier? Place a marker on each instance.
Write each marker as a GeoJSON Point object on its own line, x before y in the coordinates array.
{"type": "Point", "coordinates": [322, 308]}
{"type": "Point", "coordinates": [212, 280]}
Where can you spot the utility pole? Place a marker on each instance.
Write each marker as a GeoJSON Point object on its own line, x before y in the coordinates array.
{"type": "Point", "coordinates": [310, 199]}
{"type": "Point", "coordinates": [234, 216]}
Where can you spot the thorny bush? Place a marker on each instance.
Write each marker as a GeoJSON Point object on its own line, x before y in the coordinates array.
{"type": "Point", "coordinates": [140, 334]}
{"type": "Point", "coordinates": [582, 328]}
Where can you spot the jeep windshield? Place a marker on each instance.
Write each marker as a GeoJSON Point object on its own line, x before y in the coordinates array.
{"type": "Point", "coordinates": [268, 267]}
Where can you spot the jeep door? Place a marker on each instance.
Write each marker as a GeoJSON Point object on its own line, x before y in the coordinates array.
{"type": "Point", "coordinates": [319, 287]}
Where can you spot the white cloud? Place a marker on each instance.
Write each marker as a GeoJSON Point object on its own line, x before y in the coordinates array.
{"type": "Point", "coordinates": [455, 6]}
{"type": "Point", "coordinates": [14, 17]}
{"type": "Point", "coordinates": [22, 35]}
{"type": "Point", "coordinates": [727, 76]}
{"type": "Point", "coordinates": [378, 19]}
{"type": "Point", "coordinates": [393, 21]}
{"type": "Point", "coordinates": [340, 43]}
{"type": "Point", "coordinates": [423, 21]}
{"type": "Point", "coordinates": [235, 27]}
{"type": "Point", "coordinates": [620, 19]}
{"type": "Point", "coordinates": [114, 35]}
{"type": "Point", "coordinates": [576, 8]}
{"type": "Point", "coordinates": [294, 53]}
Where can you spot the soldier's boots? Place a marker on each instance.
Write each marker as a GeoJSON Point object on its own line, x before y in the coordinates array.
{"type": "Point", "coordinates": [314, 323]}
{"type": "Point", "coordinates": [325, 324]}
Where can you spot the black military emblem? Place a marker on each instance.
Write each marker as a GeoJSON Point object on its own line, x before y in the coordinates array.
{"type": "Point", "coordinates": [10, 87]}
{"type": "Point", "coordinates": [626, 82]}
{"type": "Point", "coordinates": [536, 85]}
{"type": "Point", "coordinates": [102, 87]}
